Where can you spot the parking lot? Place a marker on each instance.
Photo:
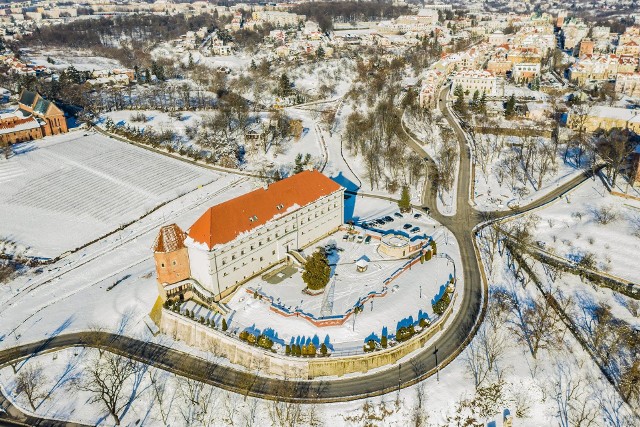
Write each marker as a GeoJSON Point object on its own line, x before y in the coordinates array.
{"type": "Point", "coordinates": [410, 224]}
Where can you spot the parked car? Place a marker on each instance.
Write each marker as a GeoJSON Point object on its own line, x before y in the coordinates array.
{"type": "Point", "coordinates": [364, 224]}
{"type": "Point", "coordinates": [398, 215]}
{"type": "Point", "coordinates": [416, 216]}
{"type": "Point", "coordinates": [360, 238]}
{"type": "Point", "coordinates": [415, 229]}
{"type": "Point", "coordinates": [407, 226]}
{"type": "Point", "coordinates": [388, 218]}
{"type": "Point", "coordinates": [345, 237]}
{"type": "Point", "coordinates": [367, 240]}
{"type": "Point", "coordinates": [380, 221]}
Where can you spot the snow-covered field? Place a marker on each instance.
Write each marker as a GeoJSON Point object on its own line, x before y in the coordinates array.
{"type": "Point", "coordinates": [61, 192]}
{"type": "Point", "coordinates": [572, 228]}
{"type": "Point", "coordinates": [80, 60]}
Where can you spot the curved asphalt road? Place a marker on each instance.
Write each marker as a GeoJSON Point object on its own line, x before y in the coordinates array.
{"type": "Point", "coordinates": [422, 365]}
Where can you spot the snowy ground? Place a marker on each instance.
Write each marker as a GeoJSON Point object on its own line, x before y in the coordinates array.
{"type": "Point", "coordinates": [62, 59]}
{"type": "Point", "coordinates": [349, 170]}
{"type": "Point", "coordinates": [429, 136]}
{"type": "Point", "coordinates": [61, 192]}
{"type": "Point", "coordinates": [408, 299]}
{"type": "Point", "coordinates": [236, 62]}
{"type": "Point", "coordinates": [570, 229]}
{"type": "Point", "coordinates": [493, 188]}
{"type": "Point", "coordinates": [282, 156]}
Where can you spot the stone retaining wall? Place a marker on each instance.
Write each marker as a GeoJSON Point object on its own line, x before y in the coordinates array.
{"type": "Point", "coordinates": [254, 358]}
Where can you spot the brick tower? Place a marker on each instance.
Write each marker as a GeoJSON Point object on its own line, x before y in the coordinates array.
{"type": "Point", "coordinates": [171, 257]}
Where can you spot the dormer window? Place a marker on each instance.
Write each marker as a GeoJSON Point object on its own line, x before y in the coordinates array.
{"type": "Point", "coordinates": [280, 206]}
{"type": "Point", "coordinates": [253, 218]}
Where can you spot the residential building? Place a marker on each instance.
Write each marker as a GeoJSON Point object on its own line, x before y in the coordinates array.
{"type": "Point", "coordinates": [628, 84]}
{"type": "Point", "coordinates": [431, 85]}
{"type": "Point", "coordinates": [525, 72]}
{"type": "Point", "coordinates": [605, 118]}
{"type": "Point", "coordinates": [586, 47]}
{"type": "Point", "coordinates": [573, 32]}
{"type": "Point", "coordinates": [497, 38]}
{"type": "Point", "coordinates": [475, 80]}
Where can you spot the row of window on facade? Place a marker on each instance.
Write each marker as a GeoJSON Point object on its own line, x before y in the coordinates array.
{"type": "Point", "coordinates": [286, 230]}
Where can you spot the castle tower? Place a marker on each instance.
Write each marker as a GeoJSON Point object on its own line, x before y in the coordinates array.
{"type": "Point", "coordinates": [171, 257]}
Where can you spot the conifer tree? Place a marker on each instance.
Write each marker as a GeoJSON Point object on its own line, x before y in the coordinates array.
{"type": "Point", "coordinates": [510, 107]}
{"type": "Point", "coordinates": [460, 104]}
{"type": "Point", "coordinates": [405, 200]}
{"type": "Point", "coordinates": [316, 271]}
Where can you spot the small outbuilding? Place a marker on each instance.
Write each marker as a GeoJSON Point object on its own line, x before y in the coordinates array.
{"type": "Point", "coordinates": [361, 265]}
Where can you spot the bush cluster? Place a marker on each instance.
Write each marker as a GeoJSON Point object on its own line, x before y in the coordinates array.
{"type": "Point", "coordinates": [257, 340]}
{"type": "Point", "coordinates": [404, 333]}
{"type": "Point", "coordinates": [442, 304]}
{"type": "Point", "coordinates": [304, 350]}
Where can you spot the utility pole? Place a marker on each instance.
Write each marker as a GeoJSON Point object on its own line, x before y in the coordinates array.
{"type": "Point", "coordinates": [435, 353]}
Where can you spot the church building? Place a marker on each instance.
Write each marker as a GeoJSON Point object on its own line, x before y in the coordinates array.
{"type": "Point", "coordinates": [34, 118]}
{"type": "Point", "coordinates": [242, 237]}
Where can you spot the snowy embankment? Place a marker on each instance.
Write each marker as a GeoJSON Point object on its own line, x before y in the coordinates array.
{"type": "Point", "coordinates": [514, 171]}
{"type": "Point", "coordinates": [591, 226]}
{"type": "Point", "coordinates": [442, 148]}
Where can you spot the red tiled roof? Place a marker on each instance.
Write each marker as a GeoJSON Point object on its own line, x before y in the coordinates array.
{"type": "Point", "coordinates": [169, 239]}
{"type": "Point", "coordinates": [224, 222]}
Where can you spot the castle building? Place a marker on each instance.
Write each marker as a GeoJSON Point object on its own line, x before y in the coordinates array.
{"type": "Point", "coordinates": [35, 118]}
{"type": "Point", "coordinates": [242, 237]}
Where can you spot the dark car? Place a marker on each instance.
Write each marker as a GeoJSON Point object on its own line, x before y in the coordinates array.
{"type": "Point", "coordinates": [416, 216]}
{"type": "Point", "coordinates": [415, 229]}
{"type": "Point", "coordinates": [398, 215]}
{"type": "Point", "coordinates": [364, 224]}
{"type": "Point", "coordinates": [407, 226]}
{"type": "Point", "coordinates": [380, 221]}
{"type": "Point", "coordinates": [388, 218]}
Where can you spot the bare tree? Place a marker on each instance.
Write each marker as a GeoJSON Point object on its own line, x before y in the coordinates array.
{"type": "Point", "coordinates": [574, 401]}
{"type": "Point", "coordinates": [483, 354]}
{"type": "Point", "coordinates": [420, 415]}
{"type": "Point", "coordinates": [29, 382]}
{"type": "Point", "coordinates": [108, 378]}
{"type": "Point", "coordinates": [158, 381]}
{"type": "Point", "coordinates": [536, 322]}
{"type": "Point", "coordinates": [230, 406]}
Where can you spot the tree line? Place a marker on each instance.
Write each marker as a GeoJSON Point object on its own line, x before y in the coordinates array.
{"type": "Point", "coordinates": [326, 13]}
